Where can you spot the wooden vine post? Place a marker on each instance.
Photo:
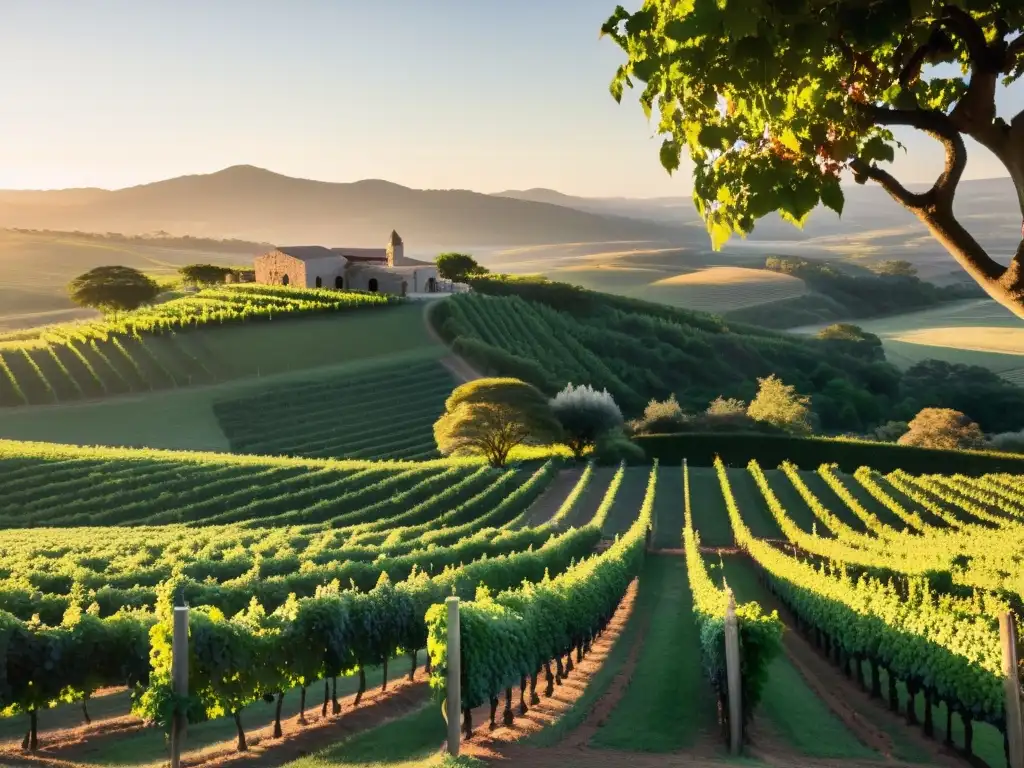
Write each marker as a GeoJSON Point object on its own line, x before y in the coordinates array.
{"type": "Point", "coordinates": [179, 679]}
{"type": "Point", "coordinates": [732, 672]}
{"type": "Point", "coordinates": [453, 700]}
{"type": "Point", "coordinates": [1011, 684]}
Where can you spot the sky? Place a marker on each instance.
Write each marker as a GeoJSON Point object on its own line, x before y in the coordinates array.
{"type": "Point", "coordinates": [441, 94]}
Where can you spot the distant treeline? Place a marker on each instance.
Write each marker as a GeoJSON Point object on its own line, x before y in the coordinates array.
{"type": "Point", "coordinates": [159, 238]}
{"type": "Point", "coordinates": [837, 295]}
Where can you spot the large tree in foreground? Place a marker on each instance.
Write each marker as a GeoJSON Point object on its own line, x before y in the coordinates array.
{"type": "Point", "coordinates": [490, 417]}
{"type": "Point", "coordinates": [774, 99]}
{"type": "Point", "coordinates": [113, 289]}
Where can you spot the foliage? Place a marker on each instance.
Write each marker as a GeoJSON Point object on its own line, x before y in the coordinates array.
{"type": "Point", "coordinates": [943, 428]}
{"type": "Point", "coordinates": [854, 340]}
{"type": "Point", "coordinates": [660, 417]}
{"type": "Point", "coordinates": [551, 333]}
{"type": "Point", "coordinates": [585, 415]}
{"type": "Point", "coordinates": [890, 432]}
{"type": "Point", "coordinates": [113, 289]}
{"type": "Point", "coordinates": [458, 267]}
{"type": "Point", "coordinates": [492, 416]}
{"type": "Point", "coordinates": [722, 406]}
{"type": "Point", "coordinates": [1012, 442]}
{"type": "Point", "coordinates": [993, 402]}
{"type": "Point", "coordinates": [205, 274]}
{"type": "Point", "coordinates": [779, 404]}
{"type": "Point", "coordinates": [615, 446]}
{"type": "Point", "coordinates": [773, 103]}
{"type": "Point", "coordinates": [897, 267]}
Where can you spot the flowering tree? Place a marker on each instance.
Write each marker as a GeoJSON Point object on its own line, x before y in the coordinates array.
{"type": "Point", "coordinates": [585, 415]}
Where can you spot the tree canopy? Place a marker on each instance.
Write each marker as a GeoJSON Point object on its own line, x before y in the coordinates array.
{"type": "Point", "coordinates": [943, 428]}
{"type": "Point", "coordinates": [113, 289]}
{"type": "Point", "coordinates": [586, 415]}
{"type": "Point", "coordinates": [490, 417]}
{"type": "Point", "coordinates": [458, 266]}
{"type": "Point", "coordinates": [775, 101]}
{"type": "Point", "coordinates": [780, 405]}
{"type": "Point", "coordinates": [205, 274]}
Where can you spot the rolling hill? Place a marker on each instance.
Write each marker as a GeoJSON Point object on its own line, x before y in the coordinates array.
{"type": "Point", "coordinates": [256, 204]}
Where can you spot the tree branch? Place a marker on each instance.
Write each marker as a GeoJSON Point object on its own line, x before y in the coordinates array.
{"type": "Point", "coordinates": [863, 170]}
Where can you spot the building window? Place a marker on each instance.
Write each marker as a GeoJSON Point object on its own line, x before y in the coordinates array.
{"type": "Point", "coordinates": [284, 280]}
{"type": "Point", "coordinates": [319, 282]}
{"type": "Point", "coordinates": [372, 286]}
{"type": "Point", "coordinates": [339, 282]}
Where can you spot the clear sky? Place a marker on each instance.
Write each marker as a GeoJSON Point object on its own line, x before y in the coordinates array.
{"type": "Point", "coordinates": [477, 94]}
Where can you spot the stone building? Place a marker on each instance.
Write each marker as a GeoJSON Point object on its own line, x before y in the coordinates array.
{"type": "Point", "coordinates": [384, 270]}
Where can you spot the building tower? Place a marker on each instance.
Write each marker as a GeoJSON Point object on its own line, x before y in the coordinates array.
{"type": "Point", "coordinates": [395, 250]}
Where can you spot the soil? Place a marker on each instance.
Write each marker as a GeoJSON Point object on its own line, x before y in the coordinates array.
{"type": "Point", "coordinates": [376, 708]}
{"type": "Point", "coordinates": [551, 500]}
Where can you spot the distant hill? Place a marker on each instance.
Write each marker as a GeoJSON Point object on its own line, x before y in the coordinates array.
{"type": "Point", "coordinates": [249, 203]}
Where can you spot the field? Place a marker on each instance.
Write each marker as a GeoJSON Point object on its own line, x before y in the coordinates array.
{"type": "Point", "coordinates": [679, 277]}
{"type": "Point", "coordinates": [35, 268]}
{"type": "Point", "coordinates": [262, 540]}
{"type": "Point", "coordinates": [977, 332]}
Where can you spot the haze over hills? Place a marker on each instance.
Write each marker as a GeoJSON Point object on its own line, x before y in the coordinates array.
{"type": "Point", "coordinates": [251, 203]}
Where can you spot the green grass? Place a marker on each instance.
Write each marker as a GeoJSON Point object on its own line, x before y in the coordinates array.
{"type": "Point", "coordinates": [668, 704]}
{"type": "Point", "coordinates": [707, 505]}
{"type": "Point", "coordinates": [668, 508]}
{"type": "Point", "coordinates": [627, 502]}
{"type": "Point", "coordinates": [755, 511]}
{"type": "Point", "coordinates": [793, 503]}
{"type": "Point", "coordinates": [817, 485]}
{"type": "Point", "coordinates": [788, 704]}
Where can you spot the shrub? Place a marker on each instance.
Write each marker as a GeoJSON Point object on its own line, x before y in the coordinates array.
{"type": "Point", "coordinates": [890, 432]}
{"type": "Point", "coordinates": [615, 447]}
{"type": "Point", "coordinates": [458, 267]}
{"type": "Point", "coordinates": [1012, 442]}
{"type": "Point", "coordinates": [660, 417]}
{"type": "Point", "coordinates": [780, 405]}
{"type": "Point", "coordinates": [585, 415]}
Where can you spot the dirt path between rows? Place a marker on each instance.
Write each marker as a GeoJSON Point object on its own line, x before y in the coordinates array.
{"type": "Point", "coordinates": [376, 708]}
{"type": "Point", "coordinates": [551, 500]}
{"type": "Point", "coordinates": [847, 701]}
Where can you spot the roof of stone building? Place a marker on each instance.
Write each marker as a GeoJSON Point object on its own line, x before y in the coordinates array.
{"type": "Point", "coordinates": [306, 252]}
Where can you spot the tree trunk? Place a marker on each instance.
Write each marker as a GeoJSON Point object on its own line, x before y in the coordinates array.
{"type": "Point", "coordinates": [31, 740]}
{"type": "Point", "coordinates": [494, 712]}
{"type": "Point", "coordinates": [534, 698]}
{"type": "Point", "coordinates": [85, 711]}
{"type": "Point", "coordinates": [242, 746]}
{"type": "Point", "coordinates": [412, 667]}
{"type": "Point", "coordinates": [522, 695]}
{"type": "Point", "coordinates": [894, 696]}
{"type": "Point", "coordinates": [327, 697]}
{"type": "Point", "coordinates": [569, 666]}
{"type": "Point", "coordinates": [929, 725]}
{"type": "Point", "coordinates": [507, 717]}
{"type": "Point", "coordinates": [302, 705]}
{"type": "Point", "coordinates": [362, 687]}
{"type": "Point", "coordinates": [911, 703]}
{"type": "Point", "coordinates": [426, 667]}
{"type": "Point", "coordinates": [949, 725]}
{"type": "Point", "coordinates": [559, 674]}
{"type": "Point", "coordinates": [579, 653]}
{"type": "Point", "coordinates": [550, 689]}
{"type": "Point", "coordinates": [467, 722]}
{"type": "Point", "coordinates": [968, 722]}
{"type": "Point", "coordinates": [335, 706]}
{"type": "Point", "coordinates": [384, 678]}
{"type": "Point", "coordinates": [876, 681]}
{"type": "Point", "coordinates": [277, 715]}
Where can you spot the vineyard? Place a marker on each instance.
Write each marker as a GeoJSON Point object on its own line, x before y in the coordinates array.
{"type": "Point", "coordinates": [155, 347]}
{"type": "Point", "coordinates": [387, 411]}
{"type": "Point", "coordinates": [315, 580]}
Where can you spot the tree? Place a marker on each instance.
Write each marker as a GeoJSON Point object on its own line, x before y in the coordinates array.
{"type": "Point", "coordinates": [490, 417]}
{"type": "Point", "coordinates": [586, 415]}
{"type": "Point", "coordinates": [113, 289]}
{"type": "Point", "coordinates": [774, 102]}
{"type": "Point", "coordinates": [458, 266]}
{"type": "Point", "coordinates": [205, 274]}
{"type": "Point", "coordinates": [660, 417]}
{"type": "Point", "coordinates": [723, 406]}
{"type": "Point", "coordinates": [779, 404]}
{"type": "Point", "coordinates": [853, 340]}
{"type": "Point", "coordinates": [896, 268]}
{"type": "Point", "coordinates": [943, 428]}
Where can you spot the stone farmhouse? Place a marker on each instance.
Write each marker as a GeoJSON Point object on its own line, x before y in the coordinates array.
{"type": "Point", "coordinates": [384, 270]}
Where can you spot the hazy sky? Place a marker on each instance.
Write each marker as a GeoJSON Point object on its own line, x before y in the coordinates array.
{"type": "Point", "coordinates": [478, 94]}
